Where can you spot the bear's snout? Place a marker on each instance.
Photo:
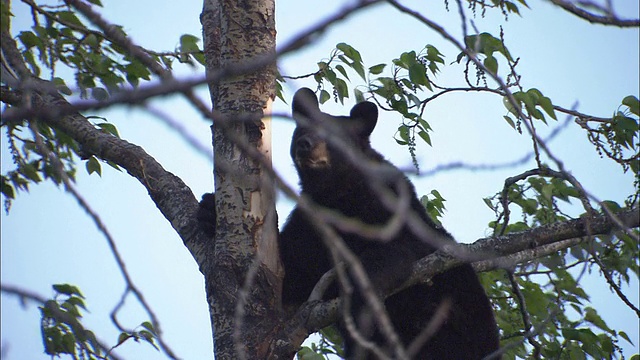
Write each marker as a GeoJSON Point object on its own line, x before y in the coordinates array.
{"type": "Point", "coordinates": [311, 152]}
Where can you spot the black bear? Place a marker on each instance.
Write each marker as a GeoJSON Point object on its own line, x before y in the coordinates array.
{"type": "Point", "coordinates": [466, 328]}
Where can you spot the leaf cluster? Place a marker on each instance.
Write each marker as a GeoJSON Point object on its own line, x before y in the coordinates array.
{"type": "Point", "coordinates": [45, 153]}
{"type": "Point", "coordinates": [411, 73]}
{"type": "Point", "coordinates": [529, 104]}
{"type": "Point", "coordinates": [334, 72]}
{"type": "Point", "coordinates": [487, 45]}
{"type": "Point", "coordinates": [506, 7]}
{"type": "Point", "coordinates": [59, 37]}
{"type": "Point", "coordinates": [68, 46]}
{"type": "Point", "coordinates": [434, 205]}
{"type": "Point", "coordinates": [62, 331]}
{"type": "Point", "coordinates": [618, 139]}
{"type": "Point", "coordinates": [32, 165]}
{"type": "Point", "coordinates": [564, 325]}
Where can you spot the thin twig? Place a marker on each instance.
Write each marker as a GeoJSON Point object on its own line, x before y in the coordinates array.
{"type": "Point", "coordinates": [609, 19]}
{"type": "Point", "coordinates": [59, 168]}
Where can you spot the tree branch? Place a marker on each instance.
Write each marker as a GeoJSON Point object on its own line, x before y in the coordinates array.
{"type": "Point", "coordinates": [514, 243]}
{"type": "Point", "coordinates": [609, 19]}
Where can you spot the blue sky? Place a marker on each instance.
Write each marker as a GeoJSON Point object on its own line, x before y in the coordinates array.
{"type": "Point", "coordinates": [48, 239]}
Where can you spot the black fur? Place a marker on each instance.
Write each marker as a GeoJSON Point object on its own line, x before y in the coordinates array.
{"type": "Point", "coordinates": [331, 180]}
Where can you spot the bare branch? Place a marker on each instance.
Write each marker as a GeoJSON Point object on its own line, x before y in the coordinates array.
{"type": "Point", "coordinates": [608, 19]}
{"type": "Point", "coordinates": [522, 241]}
{"type": "Point", "coordinates": [522, 306]}
{"type": "Point", "coordinates": [613, 284]}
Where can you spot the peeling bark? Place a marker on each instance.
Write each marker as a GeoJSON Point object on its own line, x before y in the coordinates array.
{"type": "Point", "coordinates": [245, 268]}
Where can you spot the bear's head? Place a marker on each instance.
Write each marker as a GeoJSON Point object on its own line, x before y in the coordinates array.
{"type": "Point", "coordinates": [317, 159]}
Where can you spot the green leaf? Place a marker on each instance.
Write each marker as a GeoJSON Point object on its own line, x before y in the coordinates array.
{"type": "Point", "coordinates": [71, 309]}
{"type": "Point", "coordinates": [403, 132]}
{"type": "Point", "coordinates": [624, 335]}
{"type": "Point", "coordinates": [485, 43]}
{"type": "Point", "coordinates": [76, 301]}
{"type": "Point", "coordinates": [61, 86]}
{"type": "Point", "coordinates": [547, 106]}
{"type": "Point", "coordinates": [417, 74]}
{"type": "Point", "coordinates": [632, 103]}
{"type": "Point", "coordinates": [330, 75]}
{"type": "Point", "coordinates": [399, 106]}
{"type": "Point", "coordinates": [529, 206]}
{"type": "Point", "coordinates": [138, 70]}
{"type": "Point", "coordinates": [99, 94]}
{"type": "Point", "coordinates": [199, 56]}
{"type": "Point", "coordinates": [436, 195]}
{"type": "Point", "coordinates": [635, 165]}
{"type": "Point", "coordinates": [342, 71]}
{"type": "Point", "coordinates": [422, 123]}
{"type": "Point", "coordinates": [349, 52]}
{"type": "Point", "coordinates": [626, 123]}
{"type": "Point", "coordinates": [488, 202]}
{"type": "Point", "coordinates": [149, 326]}
{"type": "Point", "coordinates": [306, 353]}
{"type": "Point", "coordinates": [510, 121]}
{"type": "Point", "coordinates": [547, 191]}
{"type": "Point", "coordinates": [93, 166]}
{"type": "Point", "coordinates": [425, 136]}
{"type": "Point", "coordinates": [507, 104]}
{"type": "Point", "coordinates": [491, 63]}
{"type": "Point", "coordinates": [332, 333]}
{"type": "Point", "coordinates": [359, 68]}
{"type": "Point", "coordinates": [29, 39]}
{"type": "Point", "coordinates": [123, 337]}
{"type": "Point", "coordinates": [592, 316]}
{"type": "Point", "coordinates": [358, 95]}
{"type": "Point", "coordinates": [109, 129]}
{"type": "Point", "coordinates": [571, 334]}
{"type": "Point", "coordinates": [30, 171]}
{"type": "Point", "coordinates": [70, 18]}
{"type": "Point", "coordinates": [433, 54]}
{"type": "Point", "coordinates": [407, 59]}
{"type": "Point", "coordinates": [67, 289]}
{"type": "Point", "coordinates": [324, 96]}
{"type": "Point", "coordinates": [6, 188]}
{"type": "Point", "coordinates": [525, 98]}
{"type": "Point", "coordinates": [189, 43]}
{"type": "Point", "coordinates": [342, 89]}
{"type": "Point", "coordinates": [68, 343]}
{"type": "Point", "coordinates": [511, 7]}
{"type": "Point", "coordinates": [377, 69]}
{"type": "Point", "coordinates": [611, 205]}
{"type": "Point", "coordinates": [148, 336]}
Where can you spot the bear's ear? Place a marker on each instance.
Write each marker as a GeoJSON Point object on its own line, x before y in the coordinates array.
{"type": "Point", "coordinates": [366, 114]}
{"type": "Point", "coordinates": [305, 103]}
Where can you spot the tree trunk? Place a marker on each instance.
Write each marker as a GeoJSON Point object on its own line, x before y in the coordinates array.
{"type": "Point", "coordinates": [243, 275]}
